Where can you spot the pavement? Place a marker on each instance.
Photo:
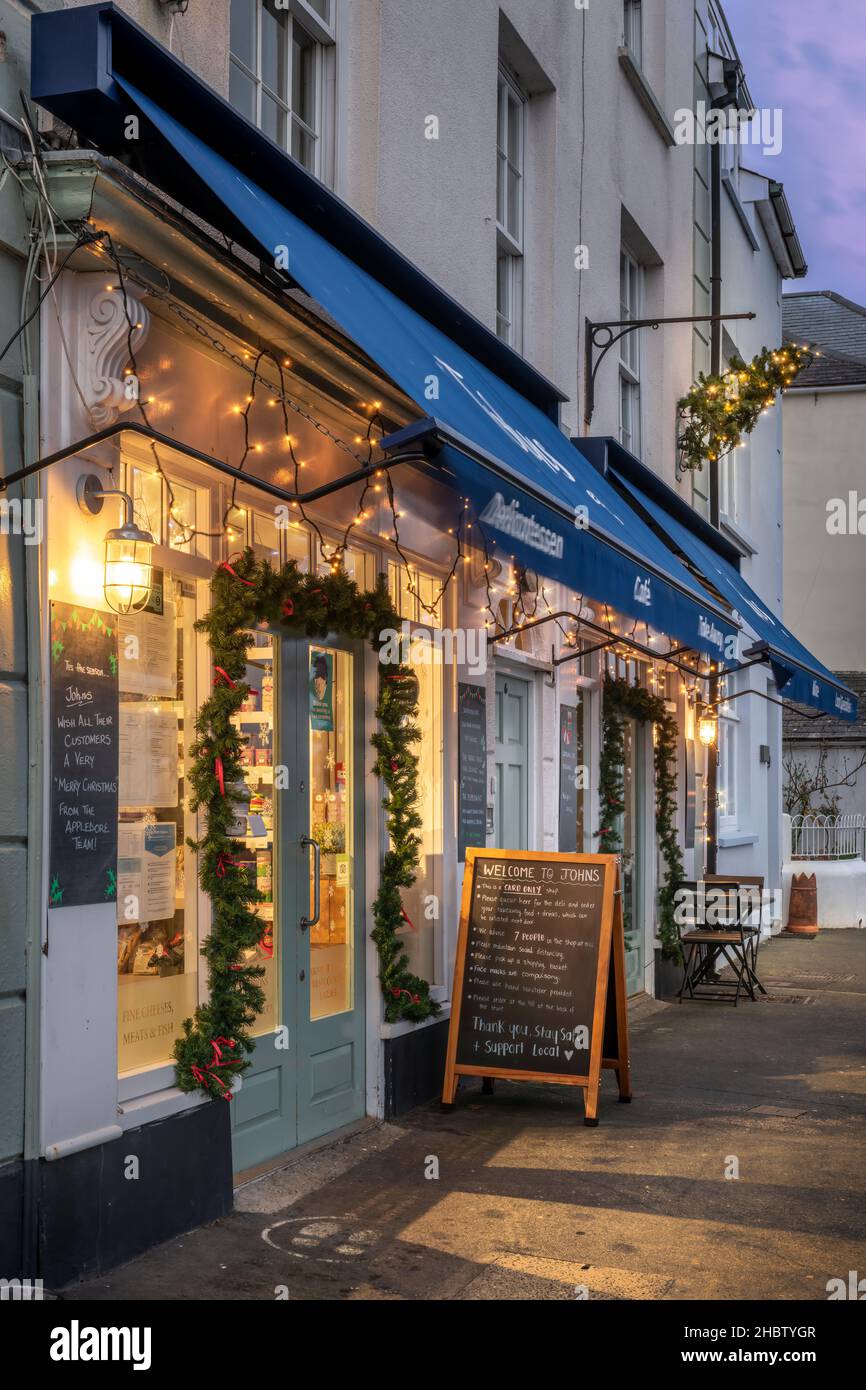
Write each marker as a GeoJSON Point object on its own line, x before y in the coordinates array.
{"type": "Point", "coordinates": [738, 1172]}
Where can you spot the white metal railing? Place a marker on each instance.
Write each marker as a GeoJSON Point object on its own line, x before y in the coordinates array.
{"type": "Point", "coordinates": [828, 837]}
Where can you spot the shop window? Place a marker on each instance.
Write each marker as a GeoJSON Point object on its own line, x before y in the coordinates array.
{"type": "Point", "coordinates": [360, 565]}
{"type": "Point", "coordinates": [264, 537]}
{"type": "Point", "coordinates": [146, 491]}
{"type": "Point", "coordinates": [257, 824]}
{"type": "Point", "coordinates": [296, 543]}
{"type": "Point", "coordinates": [281, 74]}
{"type": "Point", "coordinates": [174, 512]}
{"type": "Point", "coordinates": [630, 301]}
{"type": "Point", "coordinates": [332, 792]}
{"type": "Point", "coordinates": [182, 518]}
{"type": "Point", "coordinates": [510, 142]}
{"type": "Point", "coordinates": [158, 903]}
{"type": "Point", "coordinates": [422, 902]}
{"type": "Point", "coordinates": [416, 595]}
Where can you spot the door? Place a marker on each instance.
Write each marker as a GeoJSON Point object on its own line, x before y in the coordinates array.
{"type": "Point", "coordinates": [303, 839]}
{"type": "Point", "coordinates": [330, 992]}
{"type": "Point", "coordinates": [632, 829]}
{"type": "Point", "coordinates": [512, 762]}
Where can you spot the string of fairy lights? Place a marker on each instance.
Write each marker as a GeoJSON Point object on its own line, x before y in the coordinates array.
{"type": "Point", "coordinates": [519, 586]}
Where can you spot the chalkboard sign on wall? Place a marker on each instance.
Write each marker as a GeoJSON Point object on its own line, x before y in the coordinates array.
{"type": "Point", "coordinates": [539, 977]}
{"type": "Point", "coordinates": [472, 756]}
{"type": "Point", "coordinates": [84, 746]}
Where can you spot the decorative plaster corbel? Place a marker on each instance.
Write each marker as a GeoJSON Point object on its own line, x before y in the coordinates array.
{"type": "Point", "coordinates": [105, 345]}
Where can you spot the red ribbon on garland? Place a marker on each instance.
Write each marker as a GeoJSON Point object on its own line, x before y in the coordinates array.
{"type": "Point", "coordinates": [225, 861]}
{"type": "Point", "coordinates": [227, 565]}
{"type": "Point", "coordinates": [288, 608]}
{"type": "Point", "coordinates": [221, 778]}
{"type": "Point", "coordinates": [413, 998]}
{"type": "Point", "coordinates": [407, 919]}
{"type": "Point", "coordinates": [204, 1075]}
{"type": "Point", "coordinates": [222, 674]}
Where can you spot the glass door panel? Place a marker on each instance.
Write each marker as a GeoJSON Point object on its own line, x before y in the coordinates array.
{"type": "Point", "coordinates": [258, 828]}
{"type": "Point", "coordinates": [332, 829]}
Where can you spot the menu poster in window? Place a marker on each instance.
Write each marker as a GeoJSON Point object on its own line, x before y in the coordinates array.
{"type": "Point", "coordinates": [322, 691]}
{"type": "Point", "coordinates": [83, 743]}
{"type": "Point", "coordinates": [472, 758]}
{"type": "Point", "coordinates": [148, 755]}
{"type": "Point", "coordinates": [146, 871]}
{"type": "Point", "coordinates": [539, 974]}
{"type": "Point", "coordinates": [147, 652]}
{"type": "Point", "coordinates": [567, 778]}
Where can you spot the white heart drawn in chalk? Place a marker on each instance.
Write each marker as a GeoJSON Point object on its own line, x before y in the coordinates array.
{"type": "Point", "coordinates": [568, 1056]}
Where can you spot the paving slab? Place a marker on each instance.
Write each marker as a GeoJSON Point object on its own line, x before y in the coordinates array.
{"type": "Point", "coordinates": [739, 1171]}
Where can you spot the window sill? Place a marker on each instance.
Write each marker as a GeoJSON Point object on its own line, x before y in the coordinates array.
{"type": "Point", "coordinates": [646, 96]}
{"type": "Point", "coordinates": [399, 1030]}
{"type": "Point", "coordinates": [157, 1105]}
{"type": "Point", "coordinates": [742, 540]}
{"type": "Point", "coordinates": [730, 839]}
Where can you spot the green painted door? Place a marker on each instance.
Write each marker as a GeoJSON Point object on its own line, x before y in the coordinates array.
{"type": "Point", "coordinates": [331, 939]}
{"type": "Point", "coordinates": [307, 1072]}
{"type": "Point", "coordinates": [512, 762]}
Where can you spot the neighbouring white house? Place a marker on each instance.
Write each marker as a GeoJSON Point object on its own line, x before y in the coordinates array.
{"type": "Point", "coordinates": [824, 419]}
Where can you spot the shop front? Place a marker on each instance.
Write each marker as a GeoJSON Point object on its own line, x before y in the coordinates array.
{"type": "Point", "coordinates": [360, 518]}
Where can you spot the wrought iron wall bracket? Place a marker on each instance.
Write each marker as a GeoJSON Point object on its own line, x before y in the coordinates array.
{"type": "Point", "coordinates": [603, 336]}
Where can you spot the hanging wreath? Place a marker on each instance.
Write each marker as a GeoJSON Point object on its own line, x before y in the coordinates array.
{"type": "Point", "coordinates": [623, 701]}
{"type": "Point", "coordinates": [719, 410]}
{"type": "Point", "coordinates": [246, 593]}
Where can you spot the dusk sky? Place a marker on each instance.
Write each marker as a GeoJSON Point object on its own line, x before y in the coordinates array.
{"type": "Point", "coordinates": [810, 60]}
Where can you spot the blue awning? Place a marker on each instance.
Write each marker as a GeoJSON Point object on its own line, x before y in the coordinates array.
{"type": "Point", "coordinates": [798, 674]}
{"type": "Point", "coordinates": [530, 485]}
{"type": "Point", "coordinates": [532, 469]}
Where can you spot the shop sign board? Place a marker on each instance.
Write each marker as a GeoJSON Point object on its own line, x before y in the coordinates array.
{"type": "Point", "coordinates": [84, 752]}
{"type": "Point", "coordinates": [472, 757]}
{"type": "Point", "coordinates": [539, 976]}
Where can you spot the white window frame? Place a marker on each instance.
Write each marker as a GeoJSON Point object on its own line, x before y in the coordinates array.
{"type": "Point", "coordinates": [323, 35]}
{"type": "Point", "coordinates": [631, 275]}
{"type": "Point", "coordinates": [729, 765]}
{"type": "Point", "coordinates": [734, 474]}
{"type": "Point", "coordinates": [510, 242]}
{"type": "Point", "coordinates": [632, 29]}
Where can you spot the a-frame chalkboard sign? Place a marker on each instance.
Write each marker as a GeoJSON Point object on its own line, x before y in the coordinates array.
{"type": "Point", "coordinates": [539, 976]}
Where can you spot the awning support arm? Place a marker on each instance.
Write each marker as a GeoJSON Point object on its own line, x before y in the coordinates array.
{"type": "Point", "coordinates": [188, 451]}
{"type": "Point", "coordinates": [783, 704]}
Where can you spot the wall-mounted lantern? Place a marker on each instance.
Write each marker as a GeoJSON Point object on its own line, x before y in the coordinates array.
{"type": "Point", "coordinates": [128, 549]}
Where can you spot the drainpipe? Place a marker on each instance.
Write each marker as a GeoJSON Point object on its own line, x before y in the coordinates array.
{"type": "Point", "coordinates": [712, 776]}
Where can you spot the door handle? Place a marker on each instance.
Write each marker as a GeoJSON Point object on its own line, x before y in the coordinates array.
{"type": "Point", "coordinates": [306, 922]}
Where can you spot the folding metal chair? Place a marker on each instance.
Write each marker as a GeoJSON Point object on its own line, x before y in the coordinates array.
{"type": "Point", "coordinates": [714, 918]}
{"type": "Point", "coordinates": [751, 894]}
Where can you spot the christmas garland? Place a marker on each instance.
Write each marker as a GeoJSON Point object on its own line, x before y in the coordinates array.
{"type": "Point", "coordinates": [246, 593]}
{"type": "Point", "coordinates": [623, 701]}
{"type": "Point", "coordinates": [719, 410]}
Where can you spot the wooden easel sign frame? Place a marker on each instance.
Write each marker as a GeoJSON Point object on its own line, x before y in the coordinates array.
{"type": "Point", "coordinates": [512, 938]}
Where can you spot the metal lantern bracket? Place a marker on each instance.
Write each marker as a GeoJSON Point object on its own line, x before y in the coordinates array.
{"type": "Point", "coordinates": [603, 336]}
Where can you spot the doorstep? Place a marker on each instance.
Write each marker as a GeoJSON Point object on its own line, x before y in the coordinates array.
{"type": "Point", "coordinates": [644, 1006]}
{"type": "Point", "coordinates": [292, 1156]}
